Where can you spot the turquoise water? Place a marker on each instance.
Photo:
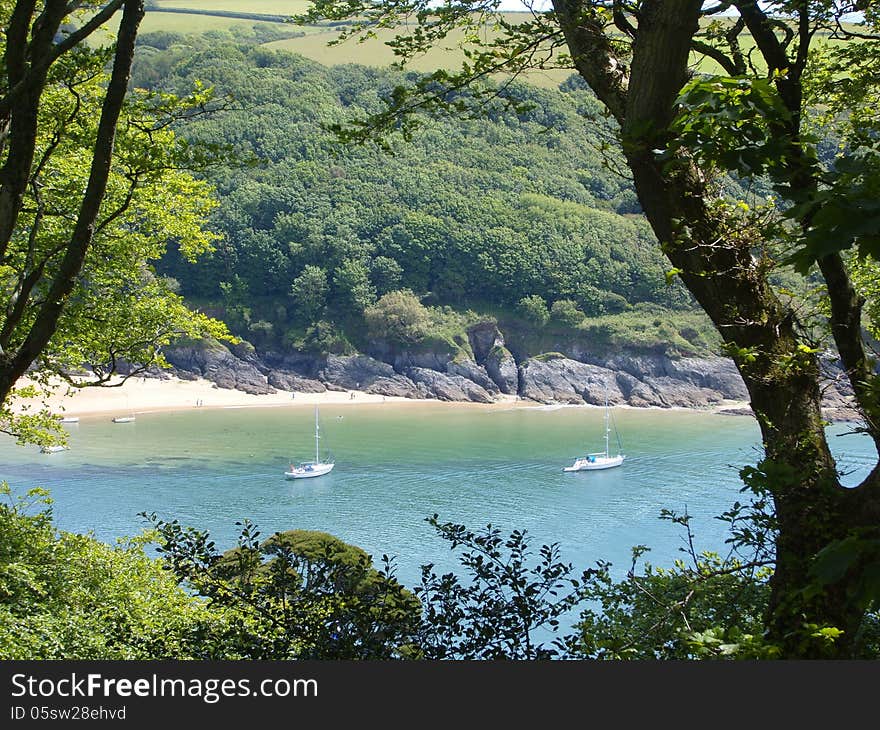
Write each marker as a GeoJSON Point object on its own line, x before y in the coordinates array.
{"type": "Point", "coordinates": [399, 463]}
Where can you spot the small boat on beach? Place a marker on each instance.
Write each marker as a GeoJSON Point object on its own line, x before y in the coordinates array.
{"type": "Point", "coordinates": [123, 419]}
{"type": "Point", "coordinates": [602, 459]}
{"type": "Point", "coordinates": [314, 468]}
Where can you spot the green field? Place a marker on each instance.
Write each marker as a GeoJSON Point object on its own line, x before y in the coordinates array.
{"type": "Point", "coordinates": [315, 44]}
{"type": "Point", "coordinates": [186, 23]}
{"type": "Point", "coordinates": [268, 7]}
{"type": "Point", "coordinates": [374, 52]}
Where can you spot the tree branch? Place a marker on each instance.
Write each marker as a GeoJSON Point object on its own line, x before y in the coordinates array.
{"type": "Point", "coordinates": [47, 319]}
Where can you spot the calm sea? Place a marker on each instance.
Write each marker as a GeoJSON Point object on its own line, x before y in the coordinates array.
{"type": "Point", "coordinates": [399, 463]}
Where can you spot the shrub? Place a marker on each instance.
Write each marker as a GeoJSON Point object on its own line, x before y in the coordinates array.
{"type": "Point", "coordinates": [398, 316]}
{"type": "Point", "coordinates": [534, 309]}
{"type": "Point", "coordinates": [566, 312]}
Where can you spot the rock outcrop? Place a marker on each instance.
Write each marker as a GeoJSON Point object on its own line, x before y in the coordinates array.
{"type": "Point", "coordinates": [217, 363]}
{"type": "Point", "coordinates": [635, 378]}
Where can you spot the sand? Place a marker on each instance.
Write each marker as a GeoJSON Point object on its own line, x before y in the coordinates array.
{"type": "Point", "coordinates": [150, 395]}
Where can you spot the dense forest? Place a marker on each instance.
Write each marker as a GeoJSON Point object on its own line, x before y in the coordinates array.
{"type": "Point", "coordinates": [473, 214]}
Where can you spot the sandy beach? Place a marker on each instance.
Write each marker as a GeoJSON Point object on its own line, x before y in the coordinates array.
{"type": "Point", "coordinates": [149, 395]}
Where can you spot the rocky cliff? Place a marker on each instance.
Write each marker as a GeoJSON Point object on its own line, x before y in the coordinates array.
{"type": "Point", "coordinates": [485, 371]}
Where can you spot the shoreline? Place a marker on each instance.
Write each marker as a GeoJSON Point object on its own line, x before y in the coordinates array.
{"type": "Point", "coordinates": [139, 395]}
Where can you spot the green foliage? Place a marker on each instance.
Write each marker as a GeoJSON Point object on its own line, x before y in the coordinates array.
{"type": "Point", "coordinates": [534, 309]}
{"type": "Point", "coordinates": [67, 596]}
{"type": "Point", "coordinates": [733, 123]}
{"type": "Point", "coordinates": [386, 274]}
{"type": "Point", "coordinates": [309, 292]}
{"type": "Point", "coordinates": [508, 598]}
{"type": "Point", "coordinates": [472, 212]}
{"type": "Point", "coordinates": [566, 312]}
{"type": "Point", "coordinates": [707, 606]}
{"type": "Point", "coordinates": [322, 338]}
{"type": "Point", "coordinates": [652, 328]}
{"type": "Point", "coordinates": [400, 317]}
{"type": "Point", "coordinates": [354, 291]}
{"type": "Point", "coordinates": [119, 310]}
{"type": "Point", "coordinates": [296, 595]}
{"type": "Point", "coordinates": [859, 555]}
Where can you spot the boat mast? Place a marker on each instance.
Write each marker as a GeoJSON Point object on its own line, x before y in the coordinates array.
{"type": "Point", "coordinates": [317, 460]}
{"type": "Point", "coordinates": [607, 430]}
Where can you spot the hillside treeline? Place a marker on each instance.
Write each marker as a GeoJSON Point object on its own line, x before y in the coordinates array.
{"type": "Point", "coordinates": [473, 214]}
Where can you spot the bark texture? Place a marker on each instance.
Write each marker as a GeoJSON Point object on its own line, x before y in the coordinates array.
{"type": "Point", "coordinates": [27, 67]}
{"type": "Point", "coordinates": [720, 270]}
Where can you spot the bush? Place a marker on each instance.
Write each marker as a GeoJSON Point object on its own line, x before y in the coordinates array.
{"type": "Point", "coordinates": [534, 309]}
{"type": "Point", "coordinates": [566, 312]}
{"type": "Point", "coordinates": [398, 316]}
{"type": "Point", "coordinates": [323, 338]}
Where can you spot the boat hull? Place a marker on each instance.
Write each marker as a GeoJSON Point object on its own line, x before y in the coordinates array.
{"type": "Point", "coordinates": [598, 462]}
{"type": "Point", "coordinates": [306, 472]}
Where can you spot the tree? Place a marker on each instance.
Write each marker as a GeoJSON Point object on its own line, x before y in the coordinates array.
{"type": "Point", "coordinates": [386, 274]}
{"type": "Point", "coordinates": [67, 596]}
{"type": "Point", "coordinates": [354, 290]}
{"type": "Point", "coordinates": [680, 135]}
{"type": "Point", "coordinates": [399, 316]}
{"type": "Point", "coordinates": [92, 189]}
{"type": "Point", "coordinates": [309, 292]}
{"type": "Point", "coordinates": [296, 595]}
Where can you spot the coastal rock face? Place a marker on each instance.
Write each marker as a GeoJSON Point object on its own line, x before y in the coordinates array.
{"type": "Point", "coordinates": [670, 392]}
{"type": "Point", "coordinates": [501, 367]}
{"type": "Point", "coordinates": [304, 364]}
{"type": "Point", "coordinates": [838, 400]}
{"type": "Point", "coordinates": [471, 371]}
{"type": "Point", "coordinates": [637, 381]}
{"type": "Point", "coordinates": [405, 360]}
{"type": "Point", "coordinates": [715, 373]}
{"type": "Point", "coordinates": [219, 365]}
{"type": "Point", "coordinates": [640, 379]}
{"type": "Point", "coordinates": [360, 372]}
{"type": "Point", "coordinates": [285, 380]}
{"type": "Point", "coordinates": [483, 338]}
{"type": "Point", "coordinates": [442, 386]}
{"type": "Point", "coordinates": [398, 386]}
{"type": "Point", "coordinates": [562, 380]}
{"type": "Point", "coordinates": [353, 371]}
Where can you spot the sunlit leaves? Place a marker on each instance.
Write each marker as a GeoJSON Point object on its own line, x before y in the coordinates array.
{"type": "Point", "coordinates": [119, 312]}
{"type": "Point", "coordinates": [733, 123]}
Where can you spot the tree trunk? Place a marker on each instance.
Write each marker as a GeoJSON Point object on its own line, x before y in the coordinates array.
{"type": "Point", "coordinates": [14, 364]}
{"type": "Point", "coordinates": [716, 263]}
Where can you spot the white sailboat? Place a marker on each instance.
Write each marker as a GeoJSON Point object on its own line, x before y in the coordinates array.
{"type": "Point", "coordinates": [125, 419]}
{"type": "Point", "coordinates": [314, 468]}
{"type": "Point", "coordinates": [603, 459]}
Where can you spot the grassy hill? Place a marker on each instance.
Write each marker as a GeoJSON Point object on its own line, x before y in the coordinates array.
{"type": "Point", "coordinates": [313, 42]}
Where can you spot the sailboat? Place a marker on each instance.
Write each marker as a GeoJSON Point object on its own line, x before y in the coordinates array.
{"type": "Point", "coordinates": [314, 468]}
{"type": "Point", "coordinates": [600, 460]}
{"type": "Point", "coordinates": [125, 419]}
